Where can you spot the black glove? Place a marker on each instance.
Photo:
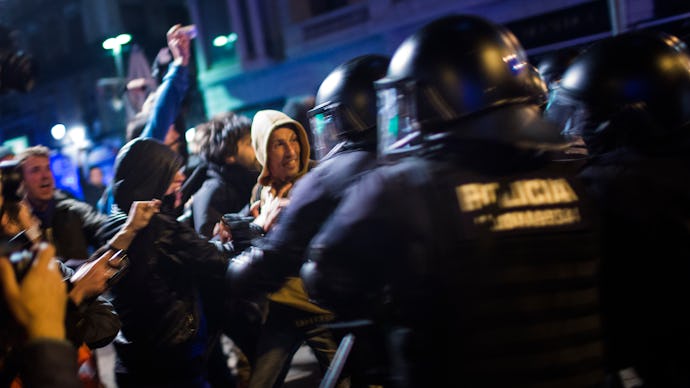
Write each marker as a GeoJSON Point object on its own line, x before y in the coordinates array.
{"type": "Point", "coordinates": [243, 230]}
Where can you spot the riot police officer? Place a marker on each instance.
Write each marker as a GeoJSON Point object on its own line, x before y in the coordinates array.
{"type": "Point", "coordinates": [476, 251]}
{"type": "Point", "coordinates": [627, 98]}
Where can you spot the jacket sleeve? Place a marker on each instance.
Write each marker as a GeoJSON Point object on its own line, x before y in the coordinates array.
{"type": "Point", "coordinates": [91, 220]}
{"type": "Point", "coordinates": [93, 322]}
{"type": "Point", "coordinates": [205, 208]}
{"type": "Point", "coordinates": [170, 95]}
{"type": "Point", "coordinates": [280, 254]}
{"type": "Point", "coordinates": [207, 260]}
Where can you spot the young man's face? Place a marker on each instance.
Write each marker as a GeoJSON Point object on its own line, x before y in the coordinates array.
{"type": "Point", "coordinates": [283, 157]}
{"type": "Point", "coordinates": [245, 153]}
{"type": "Point", "coordinates": [38, 179]}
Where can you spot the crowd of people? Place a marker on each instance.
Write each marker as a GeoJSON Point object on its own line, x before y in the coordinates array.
{"type": "Point", "coordinates": [468, 218]}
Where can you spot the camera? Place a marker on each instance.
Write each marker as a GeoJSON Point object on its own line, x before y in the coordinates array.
{"type": "Point", "coordinates": [17, 69]}
{"type": "Point", "coordinates": [18, 250]}
{"type": "Point", "coordinates": [10, 180]}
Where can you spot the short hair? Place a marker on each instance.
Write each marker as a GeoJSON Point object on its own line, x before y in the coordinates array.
{"type": "Point", "coordinates": [39, 150]}
{"type": "Point", "coordinates": [218, 137]}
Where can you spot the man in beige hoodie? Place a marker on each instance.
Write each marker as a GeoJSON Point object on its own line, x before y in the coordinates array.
{"type": "Point", "coordinates": [282, 148]}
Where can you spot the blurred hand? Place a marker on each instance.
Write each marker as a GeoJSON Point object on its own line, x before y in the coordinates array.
{"type": "Point", "coordinates": [222, 231]}
{"type": "Point", "coordinates": [255, 209]}
{"type": "Point", "coordinates": [272, 206]}
{"type": "Point", "coordinates": [91, 279]}
{"type": "Point", "coordinates": [140, 214]}
{"type": "Point", "coordinates": [39, 302]}
{"type": "Point", "coordinates": [179, 44]}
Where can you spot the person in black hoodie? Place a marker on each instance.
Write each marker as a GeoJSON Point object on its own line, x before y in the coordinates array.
{"type": "Point", "coordinates": [164, 337]}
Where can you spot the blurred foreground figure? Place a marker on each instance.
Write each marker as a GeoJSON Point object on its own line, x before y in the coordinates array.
{"type": "Point", "coordinates": [627, 98]}
{"type": "Point", "coordinates": [38, 304]}
{"type": "Point", "coordinates": [476, 252]}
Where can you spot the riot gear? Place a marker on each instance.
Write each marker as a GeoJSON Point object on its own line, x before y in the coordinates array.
{"type": "Point", "coordinates": [552, 66]}
{"type": "Point", "coordinates": [451, 70]}
{"type": "Point", "coordinates": [631, 89]}
{"type": "Point", "coordinates": [466, 248]}
{"type": "Point", "coordinates": [346, 102]}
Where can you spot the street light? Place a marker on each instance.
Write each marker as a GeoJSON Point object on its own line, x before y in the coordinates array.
{"type": "Point", "coordinates": [225, 40]}
{"type": "Point", "coordinates": [58, 131]}
{"type": "Point", "coordinates": [115, 44]}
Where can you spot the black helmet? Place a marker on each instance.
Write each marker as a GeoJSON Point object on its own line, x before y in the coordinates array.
{"type": "Point", "coordinates": [452, 68]}
{"type": "Point", "coordinates": [552, 65]}
{"type": "Point", "coordinates": [632, 89]}
{"type": "Point", "coordinates": [345, 105]}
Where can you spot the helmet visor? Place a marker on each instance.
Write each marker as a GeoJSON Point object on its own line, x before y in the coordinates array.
{"type": "Point", "coordinates": [398, 127]}
{"type": "Point", "coordinates": [324, 122]}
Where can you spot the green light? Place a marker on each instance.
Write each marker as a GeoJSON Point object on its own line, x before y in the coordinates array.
{"type": "Point", "coordinates": [110, 43]}
{"type": "Point", "coordinates": [117, 42]}
{"type": "Point", "coordinates": [123, 39]}
{"type": "Point", "coordinates": [225, 40]}
{"type": "Point", "coordinates": [393, 126]}
{"type": "Point", "coordinates": [320, 123]}
{"type": "Point", "coordinates": [220, 41]}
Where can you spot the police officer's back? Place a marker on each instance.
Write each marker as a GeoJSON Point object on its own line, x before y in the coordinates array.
{"type": "Point", "coordinates": [477, 253]}
{"type": "Point", "coordinates": [627, 98]}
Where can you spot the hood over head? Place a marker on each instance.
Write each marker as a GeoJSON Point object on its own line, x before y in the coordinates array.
{"type": "Point", "coordinates": [263, 124]}
{"type": "Point", "coordinates": [144, 169]}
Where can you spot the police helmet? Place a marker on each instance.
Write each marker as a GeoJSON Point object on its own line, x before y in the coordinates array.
{"type": "Point", "coordinates": [345, 105]}
{"type": "Point", "coordinates": [552, 65]}
{"type": "Point", "coordinates": [628, 90]}
{"type": "Point", "coordinates": [452, 69]}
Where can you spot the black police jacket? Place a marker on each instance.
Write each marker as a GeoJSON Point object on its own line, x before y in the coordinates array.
{"type": "Point", "coordinates": [644, 200]}
{"type": "Point", "coordinates": [480, 258]}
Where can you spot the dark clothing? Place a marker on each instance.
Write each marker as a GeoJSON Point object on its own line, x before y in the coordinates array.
{"type": "Point", "coordinates": [94, 322]}
{"type": "Point", "coordinates": [174, 281]}
{"type": "Point", "coordinates": [645, 203]}
{"type": "Point", "coordinates": [92, 193]}
{"type": "Point", "coordinates": [313, 199]}
{"type": "Point", "coordinates": [71, 225]}
{"type": "Point", "coordinates": [160, 300]}
{"type": "Point", "coordinates": [49, 363]}
{"type": "Point", "coordinates": [480, 259]}
{"type": "Point", "coordinates": [226, 189]}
